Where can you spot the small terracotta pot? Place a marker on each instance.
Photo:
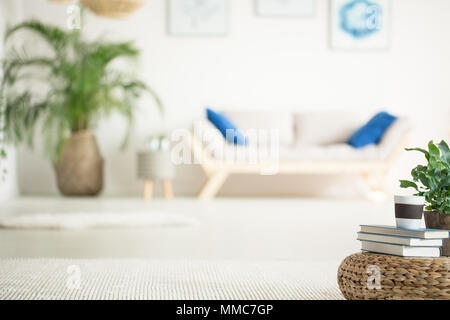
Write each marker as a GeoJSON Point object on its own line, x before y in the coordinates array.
{"type": "Point", "coordinates": [438, 220]}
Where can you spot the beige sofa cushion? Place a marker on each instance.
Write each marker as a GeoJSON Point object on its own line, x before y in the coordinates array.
{"type": "Point", "coordinates": [333, 152]}
{"type": "Point", "coordinates": [323, 128]}
{"type": "Point", "coordinates": [267, 121]}
{"type": "Point", "coordinates": [390, 141]}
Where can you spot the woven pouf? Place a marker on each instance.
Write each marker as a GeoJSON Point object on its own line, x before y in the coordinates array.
{"type": "Point", "coordinates": [368, 276]}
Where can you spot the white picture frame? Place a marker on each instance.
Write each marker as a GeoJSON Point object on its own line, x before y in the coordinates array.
{"type": "Point", "coordinates": [360, 24]}
{"type": "Point", "coordinates": [285, 8]}
{"type": "Point", "coordinates": [198, 17]}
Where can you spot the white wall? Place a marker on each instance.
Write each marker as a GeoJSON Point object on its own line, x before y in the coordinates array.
{"type": "Point", "coordinates": [10, 12]}
{"type": "Point", "coordinates": [267, 63]}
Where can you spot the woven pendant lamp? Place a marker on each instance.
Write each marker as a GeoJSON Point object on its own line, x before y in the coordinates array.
{"type": "Point", "coordinates": [113, 8]}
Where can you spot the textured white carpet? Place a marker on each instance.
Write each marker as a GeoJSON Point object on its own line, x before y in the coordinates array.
{"type": "Point", "coordinates": [83, 220]}
{"type": "Point", "coordinates": [149, 279]}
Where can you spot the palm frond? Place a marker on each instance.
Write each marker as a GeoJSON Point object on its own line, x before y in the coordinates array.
{"type": "Point", "coordinates": [54, 36]}
{"type": "Point", "coordinates": [13, 67]}
{"type": "Point", "coordinates": [104, 53]}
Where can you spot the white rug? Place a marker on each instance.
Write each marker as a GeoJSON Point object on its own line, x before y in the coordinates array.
{"type": "Point", "coordinates": [83, 220]}
{"type": "Point", "coordinates": [167, 280]}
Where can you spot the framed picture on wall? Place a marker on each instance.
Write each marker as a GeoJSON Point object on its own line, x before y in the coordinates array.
{"type": "Point", "coordinates": [285, 8]}
{"type": "Point", "coordinates": [198, 17]}
{"type": "Point", "coordinates": [360, 24]}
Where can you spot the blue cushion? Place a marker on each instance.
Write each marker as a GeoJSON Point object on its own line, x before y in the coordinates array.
{"type": "Point", "coordinates": [372, 131]}
{"type": "Point", "coordinates": [223, 124]}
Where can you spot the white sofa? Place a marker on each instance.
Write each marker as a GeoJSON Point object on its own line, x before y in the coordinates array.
{"type": "Point", "coordinates": [305, 143]}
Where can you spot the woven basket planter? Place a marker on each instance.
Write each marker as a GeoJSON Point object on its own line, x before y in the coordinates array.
{"type": "Point", "coordinates": [79, 172]}
{"type": "Point", "coordinates": [113, 8]}
{"type": "Point", "coordinates": [401, 278]}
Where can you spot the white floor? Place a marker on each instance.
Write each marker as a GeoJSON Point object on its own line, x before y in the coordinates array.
{"type": "Point", "coordinates": [229, 229]}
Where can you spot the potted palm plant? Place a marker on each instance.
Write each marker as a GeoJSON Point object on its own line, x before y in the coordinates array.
{"type": "Point", "coordinates": [64, 93]}
{"type": "Point", "coordinates": [433, 182]}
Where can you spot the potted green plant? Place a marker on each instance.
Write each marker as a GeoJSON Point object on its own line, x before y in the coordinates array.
{"type": "Point", "coordinates": [433, 182]}
{"type": "Point", "coordinates": [65, 93]}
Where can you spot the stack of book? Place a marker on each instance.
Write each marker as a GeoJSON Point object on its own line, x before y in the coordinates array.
{"type": "Point", "coordinates": [402, 242]}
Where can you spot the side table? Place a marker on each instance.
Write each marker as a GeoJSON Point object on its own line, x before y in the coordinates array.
{"type": "Point", "coordinates": [156, 166]}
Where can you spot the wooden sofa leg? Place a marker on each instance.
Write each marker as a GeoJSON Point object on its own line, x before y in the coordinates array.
{"type": "Point", "coordinates": [213, 185]}
{"type": "Point", "coordinates": [371, 181]}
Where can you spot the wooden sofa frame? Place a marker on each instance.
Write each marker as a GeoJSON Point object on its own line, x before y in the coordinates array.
{"type": "Point", "coordinates": [217, 171]}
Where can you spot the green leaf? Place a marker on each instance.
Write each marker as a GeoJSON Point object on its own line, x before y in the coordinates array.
{"type": "Point", "coordinates": [408, 184]}
{"type": "Point", "coordinates": [445, 150]}
{"type": "Point", "coordinates": [425, 152]}
{"type": "Point", "coordinates": [433, 149]}
{"type": "Point", "coordinates": [3, 154]}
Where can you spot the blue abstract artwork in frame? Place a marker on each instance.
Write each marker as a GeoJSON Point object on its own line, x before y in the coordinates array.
{"type": "Point", "coordinates": [361, 18]}
{"type": "Point", "coordinates": [359, 24]}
